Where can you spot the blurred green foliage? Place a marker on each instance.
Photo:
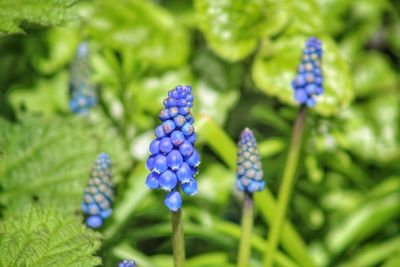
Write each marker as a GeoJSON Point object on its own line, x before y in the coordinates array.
{"type": "Point", "coordinates": [239, 56]}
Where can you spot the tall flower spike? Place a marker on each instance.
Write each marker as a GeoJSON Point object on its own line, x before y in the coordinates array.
{"type": "Point", "coordinates": [174, 161]}
{"type": "Point", "coordinates": [308, 82]}
{"type": "Point", "coordinates": [127, 263]}
{"type": "Point", "coordinates": [82, 92]}
{"type": "Point", "coordinates": [249, 171]}
{"type": "Point", "coordinates": [99, 192]}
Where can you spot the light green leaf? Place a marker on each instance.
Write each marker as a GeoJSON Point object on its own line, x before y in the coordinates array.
{"type": "Point", "coordinates": [363, 222]}
{"type": "Point", "coordinates": [276, 64]}
{"type": "Point", "coordinates": [47, 96]}
{"type": "Point", "coordinates": [373, 130]}
{"type": "Point", "coordinates": [153, 34]}
{"type": "Point", "coordinates": [46, 238]}
{"type": "Point", "coordinates": [373, 73]}
{"type": "Point", "coordinates": [373, 254]}
{"type": "Point", "coordinates": [231, 27]}
{"type": "Point", "coordinates": [49, 162]}
{"type": "Point", "coordinates": [15, 15]}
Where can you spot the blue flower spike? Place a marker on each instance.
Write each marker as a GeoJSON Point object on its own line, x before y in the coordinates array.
{"type": "Point", "coordinates": [83, 94]}
{"type": "Point", "coordinates": [308, 82]}
{"type": "Point", "coordinates": [174, 161]}
{"type": "Point", "coordinates": [127, 263]}
{"type": "Point", "coordinates": [99, 193]}
{"type": "Point", "coordinates": [249, 171]}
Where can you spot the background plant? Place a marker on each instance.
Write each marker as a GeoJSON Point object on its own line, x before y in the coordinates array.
{"type": "Point", "coordinates": [240, 57]}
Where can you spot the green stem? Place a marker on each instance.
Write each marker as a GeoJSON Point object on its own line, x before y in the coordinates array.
{"type": "Point", "coordinates": [178, 240]}
{"type": "Point", "coordinates": [286, 187]}
{"type": "Point", "coordinates": [247, 227]}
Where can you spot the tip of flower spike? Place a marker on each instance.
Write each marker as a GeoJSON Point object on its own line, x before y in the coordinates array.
{"type": "Point", "coordinates": [249, 169]}
{"type": "Point", "coordinates": [308, 82]}
{"type": "Point", "coordinates": [127, 263]}
{"type": "Point", "coordinates": [83, 49]}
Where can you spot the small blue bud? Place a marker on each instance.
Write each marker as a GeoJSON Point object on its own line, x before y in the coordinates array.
{"type": "Point", "coordinates": [167, 180]}
{"type": "Point", "coordinates": [164, 114]}
{"type": "Point", "coordinates": [159, 131]}
{"type": "Point", "coordinates": [194, 159]}
{"type": "Point", "coordinates": [150, 163]}
{"type": "Point", "coordinates": [184, 173]}
{"type": "Point", "coordinates": [177, 138]}
{"type": "Point", "coordinates": [174, 159]}
{"type": "Point", "coordinates": [152, 180]}
{"type": "Point", "coordinates": [165, 145]}
{"type": "Point", "coordinates": [127, 263]}
{"type": "Point", "coordinates": [173, 201]}
{"type": "Point", "coordinates": [187, 129]}
{"type": "Point", "coordinates": [154, 147]}
{"type": "Point", "coordinates": [168, 126]}
{"type": "Point", "coordinates": [190, 188]}
{"type": "Point", "coordinates": [186, 149]}
{"type": "Point", "coordinates": [94, 221]}
{"type": "Point", "coordinates": [160, 164]}
{"type": "Point", "coordinates": [179, 120]}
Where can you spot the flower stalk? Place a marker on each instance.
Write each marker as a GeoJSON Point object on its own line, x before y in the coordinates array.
{"type": "Point", "coordinates": [287, 186]}
{"type": "Point", "coordinates": [247, 228]}
{"type": "Point", "coordinates": [178, 240]}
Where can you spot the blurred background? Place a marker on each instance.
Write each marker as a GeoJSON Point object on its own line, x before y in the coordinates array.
{"type": "Point", "coordinates": [240, 57]}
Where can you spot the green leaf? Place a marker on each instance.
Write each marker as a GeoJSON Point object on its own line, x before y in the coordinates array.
{"type": "Point", "coordinates": [15, 15]}
{"type": "Point", "coordinates": [363, 222]}
{"type": "Point", "coordinates": [49, 162]}
{"type": "Point", "coordinates": [373, 254]}
{"type": "Point", "coordinates": [372, 129]}
{"type": "Point", "coordinates": [126, 204]}
{"type": "Point", "coordinates": [47, 96]}
{"type": "Point", "coordinates": [47, 237]}
{"type": "Point", "coordinates": [231, 27]}
{"type": "Point", "coordinates": [374, 74]}
{"type": "Point", "coordinates": [275, 67]}
{"type": "Point", "coordinates": [153, 34]}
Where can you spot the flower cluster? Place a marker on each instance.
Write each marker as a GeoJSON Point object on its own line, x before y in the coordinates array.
{"type": "Point", "coordinates": [174, 161]}
{"type": "Point", "coordinates": [249, 171]}
{"type": "Point", "coordinates": [83, 94]}
{"type": "Point", "coordinates": [127, 263]}
{"type": "Point", "coordinates": [99, 192]}
{"type": "Point", "coordinates": [309, 80]}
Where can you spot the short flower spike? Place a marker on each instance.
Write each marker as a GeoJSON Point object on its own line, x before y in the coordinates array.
{"type": "Point", "coordinates": [127, 263]}
{"type": "Point", "coordinates": [174, 161]}
{"type": "Point", "coordinates": [83, 94]}
{"type": "Point", "coordinates": [309, 81]}
{"type": "Point", "coordinates": [249, 171]}
{"type": "Point", "coordinates": [99, 193]}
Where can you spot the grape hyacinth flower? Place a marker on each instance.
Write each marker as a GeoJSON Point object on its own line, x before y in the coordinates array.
{"type": "Point", "coordinates": [308, 82]}
{"type": "Point", "coordinates": [99, 192]}
{"type": "Point", "coordinates": [127, 263]}
{"type": "Point", "coordinates": [83, 94]}
{"type": "Point", "coordinates": [249, 179]}
{"type": "Point", "coordinates": [174, 161]}
{"type": "Point", "coordinates": [249, 171]}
